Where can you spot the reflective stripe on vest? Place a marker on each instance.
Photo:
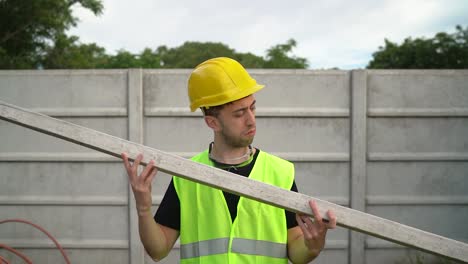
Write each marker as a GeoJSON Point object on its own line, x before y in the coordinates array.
{"type": "Point", "coordinates": [259, 247]}
{"type": "Point", "coordinates": [239, 245]}
{"type": "Point", "coordinates": [204, 248]}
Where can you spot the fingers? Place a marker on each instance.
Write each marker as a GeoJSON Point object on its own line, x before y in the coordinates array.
{"type": "Point", "coordinates": [304, 227]}
{"type": "Point", "coordinates": [125, 160]}
{"type": "Point", "coordinates": [128, 167]}
{"type": "Point", "coordinates": [147, 169]}
{"type": "Point", "coordinates": [138, 160]}
{"type": "Point", "coordinates": [317, 216]}
{"type": "Point", "coordinates": [329, 223]}
{"type": "Point", "coordinates": [152, 173]}
{"type": "Point", "coordinates": [148, 172]}
{"type": "Point", "coordinates": [332, 219]}
{"type": "Point", "coordinates": [131, 167]}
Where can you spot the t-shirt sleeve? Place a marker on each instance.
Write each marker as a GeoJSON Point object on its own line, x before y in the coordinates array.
{"type": "Point", "coordinates": [291, 217]}
{"type": "Point", "coordinates": [168, 213]}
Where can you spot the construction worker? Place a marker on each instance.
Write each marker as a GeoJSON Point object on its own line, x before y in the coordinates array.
{"type": "Point", "coordinates": [215, 226]}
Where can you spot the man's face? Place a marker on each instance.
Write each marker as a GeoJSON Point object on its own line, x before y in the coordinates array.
{"type": "Point", "coordinates": [237, 122]}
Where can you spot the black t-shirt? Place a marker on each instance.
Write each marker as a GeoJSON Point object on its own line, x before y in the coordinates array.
{"type": "Point", "coordinates": [168, 213]}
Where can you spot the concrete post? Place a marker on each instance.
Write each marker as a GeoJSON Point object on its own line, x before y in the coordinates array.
{"type": "Point", "coordinates": [135, 134]}
{"type": "Point", "coordinates": [358, 159]}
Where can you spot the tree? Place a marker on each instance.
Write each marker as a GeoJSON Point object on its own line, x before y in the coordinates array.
{"type": "Point", "coordinates": [277, 57]}
{"type": "Point", "coordinates": [190, 54]}
{"type": "Point", "coordinates": [249, 60]}
{"type": "Point", "coordinates": [443, 51]}
{"type": "Point", "coordinates": [27, 28]}
{"type": "Point", "coordinates": [149, 59]}
{"type": "Point", "coordinates": [66, 53]}
{"type": "Point", "coordinates": [123, 59]}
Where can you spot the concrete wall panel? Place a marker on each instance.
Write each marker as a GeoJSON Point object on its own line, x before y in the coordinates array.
{"type": "Point", "coordinates": [328, 180]}
{"type": "Point", "coordinates": [421, 182]}
{"type": "Point", "coordinates": [298, 135]}
{"type": "Point", "coordinates": [18, 139]}
{"type": "Point", "coordinates": [190, 133]}
{"type": "Point", "coordinates": [303, 89]}
{"type": "Point", "coordinates": [416, 135]}
{"type": "Point", "coordinates": [80, 180]}
{"type": "Point", "coordinates": [166, 89]}
{"type": "Point", "coordinates": [429, 89]}
{"type": "Point", "coordinates": [101, 223]}
{"type": "Point", "coordinates": [61, 89]}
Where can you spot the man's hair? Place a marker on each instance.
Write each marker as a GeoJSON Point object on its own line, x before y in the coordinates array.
{"type": "Point", "coordinates": [212, 110]}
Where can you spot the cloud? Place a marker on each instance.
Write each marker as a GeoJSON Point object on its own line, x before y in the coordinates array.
{"type": "Point", "coordinates": [333, 33]}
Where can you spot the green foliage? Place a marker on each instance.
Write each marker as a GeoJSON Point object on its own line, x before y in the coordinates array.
{"type": "Point", "coordinates": [190, 54]}
{"type": "Point", "coordinates": [68, 54]}
{"type": "Point", "coordinates": [249, 60]}
{"type": "Point", "coordinates": [123, 59]}
{"type": "Point", "coordinates": [27, 28]}
{"type": "Point", "coordinates": [443, 51]}
{"type": "Point", "coordinates": [149, 59]}
{"type": "Point", "coordinates": [277, 57]}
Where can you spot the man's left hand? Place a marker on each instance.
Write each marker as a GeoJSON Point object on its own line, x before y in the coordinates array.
{"type": "Point", "coordinates": [315, 230]}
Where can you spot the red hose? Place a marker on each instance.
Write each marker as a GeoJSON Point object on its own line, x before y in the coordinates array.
{"type": "Point", "coordinates": [4, 260]}
{"type": "Point", "coordinates": [19, 254]}
{"type": "Point", "coordinates": [67, 260]}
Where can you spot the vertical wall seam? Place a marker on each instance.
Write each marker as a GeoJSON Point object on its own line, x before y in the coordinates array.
{"type": "Point", "coordinates": [358, 151]}
{"type": "Point", "coordinates": [135, 134]}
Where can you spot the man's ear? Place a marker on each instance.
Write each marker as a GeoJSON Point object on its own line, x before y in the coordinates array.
{"type": "Point", "coordinates": [212, 122]}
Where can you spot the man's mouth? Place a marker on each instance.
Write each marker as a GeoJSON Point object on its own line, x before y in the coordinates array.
{"type": "Point", "coordinates": [251, 132]}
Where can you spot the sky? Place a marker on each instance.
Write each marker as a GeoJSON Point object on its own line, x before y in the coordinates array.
{"type": "Point", "coordinates": [329, 33]}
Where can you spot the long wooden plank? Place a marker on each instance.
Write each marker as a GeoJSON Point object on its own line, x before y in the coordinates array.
{"type": "Point", "coordinates": [292, 201]}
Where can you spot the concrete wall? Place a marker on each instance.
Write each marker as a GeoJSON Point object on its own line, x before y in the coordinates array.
{"type": "Point", "coordinates": [391, 143]}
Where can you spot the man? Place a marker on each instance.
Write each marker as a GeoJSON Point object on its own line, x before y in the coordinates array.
{"type": "Point", "coordinates": [218, 227]}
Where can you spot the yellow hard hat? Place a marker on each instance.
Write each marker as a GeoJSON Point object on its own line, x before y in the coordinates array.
{"type": "Point", "coordinates": [219, 81]}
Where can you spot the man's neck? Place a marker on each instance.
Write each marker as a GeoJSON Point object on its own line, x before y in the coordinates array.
{"type": "Point", "coordinates": [230, 155]}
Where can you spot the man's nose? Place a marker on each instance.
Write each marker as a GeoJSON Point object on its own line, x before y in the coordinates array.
{"type": "Point", "coordinates": [250, 117]}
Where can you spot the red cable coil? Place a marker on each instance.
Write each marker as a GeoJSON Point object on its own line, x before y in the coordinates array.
{"type": "Point", "coordinates": [67, 260]}
{"type": "Point", "coordinates": [16, 252]}
{"type": "Point", "coordinates": [4, 260]}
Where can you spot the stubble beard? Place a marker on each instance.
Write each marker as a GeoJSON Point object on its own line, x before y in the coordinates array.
{"type": "Point", "coordinates": [237, 142]}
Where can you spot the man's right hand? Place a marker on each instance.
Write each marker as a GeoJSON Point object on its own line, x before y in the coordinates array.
{"type": "Point", "coordinates": [141, 184]}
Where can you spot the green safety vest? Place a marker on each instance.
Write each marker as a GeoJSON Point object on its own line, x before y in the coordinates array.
{"type": "Point", "coordinates": [257, 235]}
